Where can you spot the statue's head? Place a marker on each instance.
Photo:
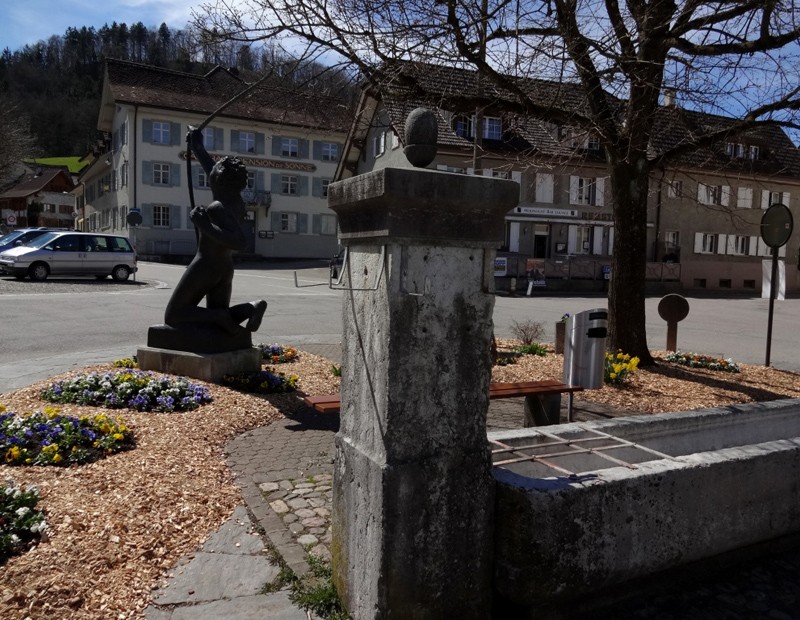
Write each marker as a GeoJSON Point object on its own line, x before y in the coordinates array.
{"type": "Point", "coordinates": [228, 173]}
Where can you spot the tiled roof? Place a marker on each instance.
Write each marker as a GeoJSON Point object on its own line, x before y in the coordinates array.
{"type": "Point", "coordinates": [444, 88]}
{"type": "Point", "coordinates": [32, 184]}
{"type": "Point", "coordinates": [140, 84]}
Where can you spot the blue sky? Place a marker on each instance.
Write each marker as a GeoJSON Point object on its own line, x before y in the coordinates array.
{"type": "Point", "coordinates": [28, 21]}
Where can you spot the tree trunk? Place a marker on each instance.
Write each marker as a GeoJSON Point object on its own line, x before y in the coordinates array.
{"type": "Point", "coordinates": [626, 291]}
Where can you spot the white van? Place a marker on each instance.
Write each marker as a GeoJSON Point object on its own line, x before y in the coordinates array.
{"type": "Point", "coordinates": [71, 254]}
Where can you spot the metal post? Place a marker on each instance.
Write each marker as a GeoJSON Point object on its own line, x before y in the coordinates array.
{"type": "Point", "coordinates": [771, 302]}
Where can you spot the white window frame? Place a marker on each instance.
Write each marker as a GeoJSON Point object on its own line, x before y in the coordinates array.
{"type": "Point", "coordinates": [739, 245]}
{"type": "Point", "coordinates": [161, 216]}
{"type": "Point", "coordinates": [161, 174]}
{"type": "Point", "coordinates": [395, 140]}
{"type": "Point", "coordinates": [324, 184]}
{"type": "Point", "coordinates": [492, 128]}
{"type": "Point", "coordinates": [208, 138]}
{"type": "Point", "coordinates": [330, 151]}
{"type": "Point", "coordinates": [675, 189]}
{"type": "Point", "coordinates": [671, 239]}
{"type": "Point", "coordinates": [713, 194]}
{"type": "Point", "coordinates": [753, 152]}
{"type": "Point", "coordinates": [251, 179]}
{"type": "Point", "coordinates": [709, 243]}
{"type": "Point", "coordinates": [379, 144]}
{"type": "Point", "coordinates": [290, 147]}
{"type": "Point", "coordinates": [462, 126]}
{"type": "Point", "coordinates": [744, 198]}
{"type": "Point", "coordinates": [288, 222]}
{"type": "Point", "coordinates": [202, 180]}
{"type": "Point", "coordinates": [593, 142]}
{"type": "Point", "coordinates": [247, 142]}
{"type": "Point", "coordinates": [161, 132]}
{"type": "Point", "coordinates": [288, 185]}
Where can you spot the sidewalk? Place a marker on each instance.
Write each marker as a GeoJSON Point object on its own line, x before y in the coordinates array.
{"type": "Point", "coordinates": [285, 473]}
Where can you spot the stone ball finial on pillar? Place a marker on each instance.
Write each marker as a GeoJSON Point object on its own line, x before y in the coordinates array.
{"type": "Point", "coordinates": [422, 134]}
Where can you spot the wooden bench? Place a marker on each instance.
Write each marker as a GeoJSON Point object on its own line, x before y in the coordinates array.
{"type": "Point", "coordinates": [542, 399]}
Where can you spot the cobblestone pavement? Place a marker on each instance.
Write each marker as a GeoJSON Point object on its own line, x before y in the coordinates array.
{"type": "Point", "coordinates": [284, 466]}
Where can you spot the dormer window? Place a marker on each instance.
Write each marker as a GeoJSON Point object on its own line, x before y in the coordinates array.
{"type": "Point", "coordinates": [753, 152]}
{"type": "Point", "coordinates": [738, 150]}
{"type": "Point", "coordinates": [462, 126]}
{"type": "Point", "coordinates": [492, 128]}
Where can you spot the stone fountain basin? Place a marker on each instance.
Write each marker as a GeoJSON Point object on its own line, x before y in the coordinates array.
{"type": "Point", "coordinates": [719, 480]}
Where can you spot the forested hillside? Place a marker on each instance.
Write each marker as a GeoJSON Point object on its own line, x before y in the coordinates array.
{"type": "Point", "coordinates": [52, 88]}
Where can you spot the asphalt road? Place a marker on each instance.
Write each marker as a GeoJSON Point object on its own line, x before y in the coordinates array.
{"type": "Point", "coordinates": [52, 326]}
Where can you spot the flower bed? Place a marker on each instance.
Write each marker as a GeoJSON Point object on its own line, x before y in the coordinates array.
{"type": "Point", "coordinates": [619, 367]}
{"type": "Point", "coordinates": [694, 360]}
{"type": "Point", "coordinates": [134, 389]}
{"type": "Point", "coordinates": [277, 354]}
{"type": "Point", "coordinates": [265, 381]}
{"type": "Point", "coordinates": [21, 525]}
{"type": "Point", "coordinates": [49, 438]}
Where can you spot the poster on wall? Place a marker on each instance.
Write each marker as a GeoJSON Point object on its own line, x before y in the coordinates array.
{"type": "Point", "coordinates": [535, 269]}
{"type": "Point", "coordinates": [500, 266]}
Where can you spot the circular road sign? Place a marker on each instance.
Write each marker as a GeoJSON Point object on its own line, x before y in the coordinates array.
{"type": "Point", "coordinates": [11, 220]}
{"type": "Point", "coordinates": [776, 225]}
{"type": "Point", "coordinates": [134, 218]}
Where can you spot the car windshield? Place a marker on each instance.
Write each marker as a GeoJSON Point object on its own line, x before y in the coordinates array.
{"type": "Point", "coordinates": [11, 236]}
{"type": "Point", "coordinates": [42, 241]}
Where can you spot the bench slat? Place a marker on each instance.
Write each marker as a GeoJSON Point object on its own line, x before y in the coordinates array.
{"type": "Point", "coordinates": [331, 403]}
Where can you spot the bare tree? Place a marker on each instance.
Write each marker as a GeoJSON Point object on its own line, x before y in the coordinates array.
{"type": "Point", "coordinates": [16, 140]}
{"type": "Point", "coordinates": [738, 58]}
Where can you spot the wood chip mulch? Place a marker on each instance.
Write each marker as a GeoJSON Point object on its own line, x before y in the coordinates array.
{"type": "Point", "coordinates": [118, 525]}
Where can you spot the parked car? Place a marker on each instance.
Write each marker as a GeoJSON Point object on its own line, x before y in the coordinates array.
{"type": "Point", "coordinates": [71, 254]}
{"type": "Point", "coordinates": [21, 236]}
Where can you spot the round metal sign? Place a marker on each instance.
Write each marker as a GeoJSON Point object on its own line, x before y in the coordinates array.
{"type": "Point", "coordinates": [776, 225]}
{"type": "Point", "coordinates": [134, 218]}
{"type": "Point", "coordinates": [11, 219]}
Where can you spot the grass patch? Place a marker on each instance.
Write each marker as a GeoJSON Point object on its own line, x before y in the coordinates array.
{"type": "Point", "coordinates": [316, 593]}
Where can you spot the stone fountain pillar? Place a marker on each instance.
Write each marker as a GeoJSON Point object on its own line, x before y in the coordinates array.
{"type": "Point", "coordinates": [413, 490]}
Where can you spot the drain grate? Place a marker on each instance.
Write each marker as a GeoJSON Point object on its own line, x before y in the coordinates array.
{"type": "Point", "coordinates": [557, 446]}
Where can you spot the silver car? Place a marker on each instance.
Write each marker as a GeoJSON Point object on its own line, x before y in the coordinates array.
{"type": "Point", "coordinates": [71, 254]}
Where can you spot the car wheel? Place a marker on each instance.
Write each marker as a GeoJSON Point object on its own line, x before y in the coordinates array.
{"type": "Point", "coordinates": [121, 273]}
{"type": "Point", "coordinates": [39, 272]}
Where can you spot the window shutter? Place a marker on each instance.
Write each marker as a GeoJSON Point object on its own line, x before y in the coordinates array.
{"type": "Point", "coordinates": [698, 243]}
{"type": "Point", "coordinates": [219, 139]}
{"type": "Point", "coordinates": [174, 175]}
{"type": "Point", "coordinates": [441, 167]}
{"type": "Point", "coordinates": [317, 150]}
{"type": "Point", "coordinates": [276, 221]}
{"type": "Point", "coordinates": [275, 183]}
{"type": "Point", "coordinates": [147, 215]}
{"type": "Point", "coordinates": [188, 212]}
{"type": "Point", "coordinates": [753, 249]}
{"type": "Point", "coordinates": [196, 176]}
{"type": "Point", "coordinates": [488, 172]}
{"type": "Point", "coordinates": [611, 240]}
{"type": "Point", "coordinates": [235, 146]}
{"type": "Point", "coordinates": [261, 147]}
{"type": "Point", "coordinates": [701, 194]}
{"type": "Point", "coordinates": [600, 192]}
{"type": "Point", "coordinates": [516, 175]}
{"type": "Point", "coordinates": [316, 224]}
{"type": "Point", "coordinates": [731, 246]}
{"type": "Point", "coordinates": [470, 171]}
{"type": "Point", "coordinates": [572, 239]}
{"type": "Point", "coordinates": [302, 149]}
{"type": "Point", "coordinates": [544, 188]}
{"type": "Point", "coordinates": [597, 240]}
{"type": "Point", "coordinates": [316, 187]}
{"type": "Point", "coordinates": [174, 216]}
{"type": "Point", "coordinates": [147, 131]}
{"type": "Point", "coordinates": [260, 180]}
{"type": "Point", "coordinates": [573, 190]}
{"type": "Point", "coordinates": [276, 145]}
{"type": "Point", "coordinates": [764, 198]}
{"type": "Point", "coordinates": [302, 223]}
{"type": "Point", "coordinates": [175, 137]}
{"type": "Point", "coordinates": [725, 197]}
{"type": "Point", "coordinates": [302, 186]}
{"type": "Point", "coordinates": [147, 172]}
{"type": "Point", "coordinates": [721, 243]}
{"type": "Point", "coordinates": [786, 198]}
{"type": "Point", "coordinates": [744, 198]}
{"type": "Point", "coordinates": [782, 251]}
